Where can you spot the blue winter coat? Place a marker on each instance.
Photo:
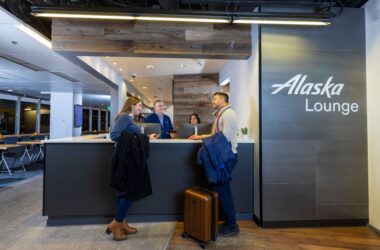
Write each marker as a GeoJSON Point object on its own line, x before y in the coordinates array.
{"type": "Point", "coordinates": [217, 158]}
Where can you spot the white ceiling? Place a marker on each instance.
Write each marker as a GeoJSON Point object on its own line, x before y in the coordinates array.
{"type": "Point", "coordinates": [158, 80]}
{"type": "Point", "coordinates": [22, 80]}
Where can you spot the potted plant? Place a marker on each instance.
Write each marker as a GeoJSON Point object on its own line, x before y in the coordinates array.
{"type": "Point", "coordinates": [244, 131]}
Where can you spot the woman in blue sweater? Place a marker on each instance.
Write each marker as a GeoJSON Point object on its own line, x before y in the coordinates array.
{"type": "Point", "coordinates": [124, 122]}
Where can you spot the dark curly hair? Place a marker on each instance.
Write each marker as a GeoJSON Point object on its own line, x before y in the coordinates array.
{"type": "Point", "coordinates": [196, 116]}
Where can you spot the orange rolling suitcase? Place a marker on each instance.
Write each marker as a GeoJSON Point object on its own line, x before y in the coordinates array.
{"type": "Point", "coordinates": [201, 215]}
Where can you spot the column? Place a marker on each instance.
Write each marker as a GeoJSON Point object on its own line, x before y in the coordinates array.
{"type": "Point", "coordinates": [90, 119]}
{"type": "Point", "coordinates": [62, 114]}
{"type": "Point", "coordinates": [38, 117]}
{"type": "Point", "coordinates": [118, 97]}
{"type": "Point", "coordinates": [18, 116]}
{"type": "Point", "coordinates": [99, 121]}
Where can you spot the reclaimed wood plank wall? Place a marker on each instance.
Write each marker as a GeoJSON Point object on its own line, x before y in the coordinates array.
{"type": "Point", "coordinates": [193, 94]}
{"type": "Point", "coordinates": [157, 39]}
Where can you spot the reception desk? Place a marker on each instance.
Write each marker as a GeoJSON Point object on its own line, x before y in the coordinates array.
{"type": "Point", "coordinates": [77, 172]}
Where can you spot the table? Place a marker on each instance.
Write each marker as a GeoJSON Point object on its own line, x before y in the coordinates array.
{"type": "Point", "coordinates": [3, 148]}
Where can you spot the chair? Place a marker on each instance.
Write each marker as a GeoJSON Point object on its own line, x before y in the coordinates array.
{"type": "Point", "coordinates": [11, 140]}
{"type": "Point", "coordinates": [25, 138]}
{"type": "Point", "coordinates": [39, 137]}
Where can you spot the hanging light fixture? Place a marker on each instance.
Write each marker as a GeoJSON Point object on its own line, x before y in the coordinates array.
{"type": "Point", "coordinates": [195, 17]}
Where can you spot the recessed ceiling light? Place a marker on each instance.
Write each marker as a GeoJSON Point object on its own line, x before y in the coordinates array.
{"type": "Point", "coordinates": [107, 57]}
{"type": "Point", "coordinates": [182, 65]}
{"type": "Point", "coordinates": [10, 90]}
{"type": "Point", "coordinates": [149, 67]}
{"type": "Point", "coordinates": [114, 63]}
{"type": "Point", "coordinates": [121, 69]}
{"type": "Point", "coordinates": [144, 87]}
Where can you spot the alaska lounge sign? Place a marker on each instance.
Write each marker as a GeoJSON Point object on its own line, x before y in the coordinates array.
{"type": "Point", "coordinates": [298, 85]}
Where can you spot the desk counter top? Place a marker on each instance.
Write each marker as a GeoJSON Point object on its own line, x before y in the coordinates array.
{"type": "Point", "coordinates": [102, 138]}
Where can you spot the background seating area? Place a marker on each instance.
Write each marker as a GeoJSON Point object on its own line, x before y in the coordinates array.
{"type": "Point", "coordinates": [17, 151]}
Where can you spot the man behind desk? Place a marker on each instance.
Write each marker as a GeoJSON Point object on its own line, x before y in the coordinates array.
{"type": "Point", "coordinates": [226, 122]}
{"type": "Point", "coordinates": [159, 117]}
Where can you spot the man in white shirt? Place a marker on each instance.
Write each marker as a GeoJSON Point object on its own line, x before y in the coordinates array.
{"type": "Point", "coordinates": [226, 122]}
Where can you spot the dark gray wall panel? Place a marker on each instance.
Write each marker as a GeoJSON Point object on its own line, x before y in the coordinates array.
{"type": "Point", "coordinates": [314, 164]}
{"type": "Point", "coordinates": [341, 212]}
{"type": "Point", "coordinates": [76, 179]}
{"type": "Point", "coordinates": [284, 201]}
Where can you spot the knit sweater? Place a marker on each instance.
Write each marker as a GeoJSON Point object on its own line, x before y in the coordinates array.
{"type": "Point", "coordinates": [124, 123]}
{"type": "Point", "coordinates": [227, 123]}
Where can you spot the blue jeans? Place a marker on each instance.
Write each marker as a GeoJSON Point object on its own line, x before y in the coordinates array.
{"type": "Point", "coordinates": [226, 200]}
{"type": "Point", "coordinates": [122, 207]}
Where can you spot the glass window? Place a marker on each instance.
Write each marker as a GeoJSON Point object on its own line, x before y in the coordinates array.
{"type": "Point", "coordinates": [95, 120]}
{"type": "Point", "coordinates": [103, 121]}
{"type": "Point", "coordinates": [45, 119]}
{"type": "Point", "coordinates": [7, 117]}
{"type": "Point", "coordinates": [28, 118]}
{"type": "Point", "coordinates": [86, 122]}
{"type": "Point", "coordinates": [109, 120]}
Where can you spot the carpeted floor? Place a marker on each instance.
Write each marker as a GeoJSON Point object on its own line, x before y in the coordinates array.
{"type": "Point", "coordinates": [24, 227]}
{"type": "Point", "coordinates": [19, 174]}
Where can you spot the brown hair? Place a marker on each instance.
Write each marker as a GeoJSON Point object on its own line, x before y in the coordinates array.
{"type": "Point", "coordinates": [127, 108]}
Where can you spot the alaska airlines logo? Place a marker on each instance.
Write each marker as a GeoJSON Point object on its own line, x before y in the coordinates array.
{"type": "Point", "coordinates": [298, 85]}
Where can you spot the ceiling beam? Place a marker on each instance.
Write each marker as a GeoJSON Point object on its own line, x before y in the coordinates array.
{"type": "Point", "coordinates": [154, 39]}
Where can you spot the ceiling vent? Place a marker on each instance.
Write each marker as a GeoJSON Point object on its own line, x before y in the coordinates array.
{"type": "Point", "coordinates": [23, 63]}
{"type": "Point", "coordinates": [64, 76]}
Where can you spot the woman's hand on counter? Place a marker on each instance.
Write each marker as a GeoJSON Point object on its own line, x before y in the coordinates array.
{"type": "Point", "coordinates": [195, 137]}
{"type": "Point", "coordinates": [153, 136]}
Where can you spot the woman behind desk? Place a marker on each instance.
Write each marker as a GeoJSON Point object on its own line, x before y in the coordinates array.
{"type": "Point", "coordinates": [194, 119]}
{"type": "Point", "coordinates": [124, 123]}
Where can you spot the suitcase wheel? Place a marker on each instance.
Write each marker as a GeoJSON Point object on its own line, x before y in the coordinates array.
{"type": "Point", "coordinates": [184, 235]}
{"type": "Point", "coordinates": [203, 245]}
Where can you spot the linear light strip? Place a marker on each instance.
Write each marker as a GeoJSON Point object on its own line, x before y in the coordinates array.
{"type": "Point", "coordinates": [35, 35]}
{"type": "Point", "coordinates": [185, 19]}
{"type": "Point", "coordinates": [85, 16]}
{"type": "Point", "coordinates": [284, 22]}
{"type": "Point", "coordinates": [142, 18]}
{"type": "Point", "coordinates": [182, 19]}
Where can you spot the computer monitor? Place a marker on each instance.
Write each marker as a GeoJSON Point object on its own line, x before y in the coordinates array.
{"type": "Point", "coordinates": [186, 130]}
{"type": "Point", "coordinates": [78, 115]}
{"type": "Point", "coordinates": [151, 128]}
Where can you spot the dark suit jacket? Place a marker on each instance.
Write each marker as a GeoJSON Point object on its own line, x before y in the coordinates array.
{"type": "Point", "coordinates": [153, 118]}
